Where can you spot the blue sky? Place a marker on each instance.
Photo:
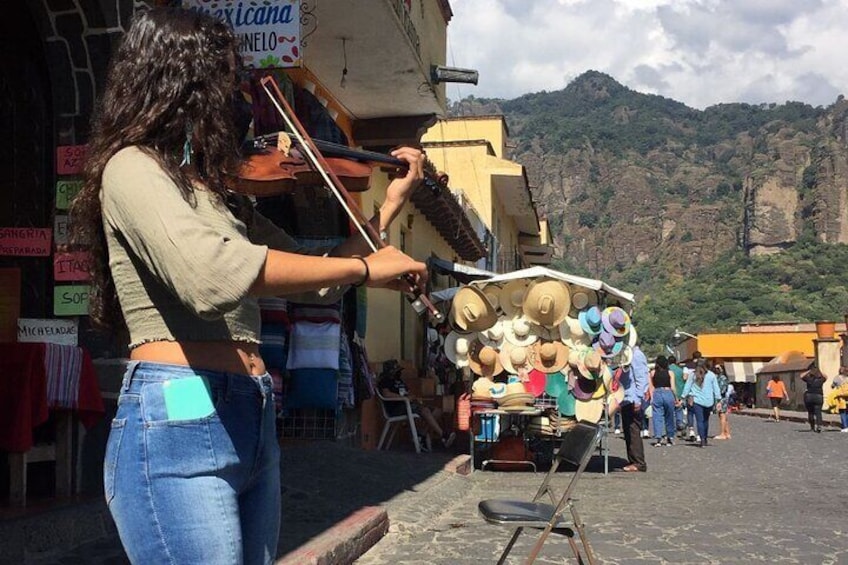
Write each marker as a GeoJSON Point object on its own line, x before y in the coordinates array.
{"type": "Point", "coordinates": [699, 52]}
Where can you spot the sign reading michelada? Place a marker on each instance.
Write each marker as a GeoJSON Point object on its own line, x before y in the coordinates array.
{"type": "Point", "coordinates": [268, 30]}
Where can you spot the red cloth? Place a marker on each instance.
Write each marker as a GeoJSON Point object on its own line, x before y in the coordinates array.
{"type": "Point", "coordinates": [23, 394]}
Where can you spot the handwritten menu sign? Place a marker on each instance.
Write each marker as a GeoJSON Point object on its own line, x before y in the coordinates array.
{"type": "Point", "coordinates": [71, 266]}
{"type": "Point", "coordinates": [25, 242]}
{"type": "Point", "coordinates": [70, 300]}
{"type": "Point", "coordinates": [65, 192]}
{"type": "Point", "coordinates": [63, 332]}
{"type": "Point", "coordinates": [60, 229]}
{"type": "Point", "coordinates": [69, 159]}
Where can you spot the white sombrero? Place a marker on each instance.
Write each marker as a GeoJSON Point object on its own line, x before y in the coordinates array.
{"type": "Point", "coordinates": [519, 331]}
{"type": "Point", "coordinates": [457, 346]}
{"type": "Point", "coordinates": [515, 358]}
{"type": "Point", "coordinates": [471, 310]}
{"type": "Point", "coordinates": [547, 302]}
{"type": "Point", "coordinates": [572, 334]}
{"type": "Point", "coordinates": [511, 298]}
{"type": "Point", "coordinates": [494, 336]}
{"type": "Point", "coordinates": [549, 356]}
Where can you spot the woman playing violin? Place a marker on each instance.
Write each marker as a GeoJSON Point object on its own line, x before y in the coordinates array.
{"type": "Point", "coordinates": [192, 462]}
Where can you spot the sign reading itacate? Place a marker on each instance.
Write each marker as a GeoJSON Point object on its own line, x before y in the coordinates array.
{"type": "Point", "coordinates": [25, 242]}
{"type": "Point", "coordinates": [72, 266]}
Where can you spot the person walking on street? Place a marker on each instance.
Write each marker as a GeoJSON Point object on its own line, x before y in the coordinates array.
{"type": "Point", "coordinates": [726, 390]}
{"type": "Point", "coordinates": [814, 396]}
{"type": "Point", "coordinates": [635, 382]}
{"type": "Point", "coordinates": [703, 389]}
{"type": "Point", "coordinates": [178, 264]}
{"type": "Point", "coordinates": [776, 392]}
{"type": "Point", "coordinates": [679, 382]}
{"type": "Point", "coordinates": [663, 400]}
{"type": "Point", "coordinates": [838, 397]}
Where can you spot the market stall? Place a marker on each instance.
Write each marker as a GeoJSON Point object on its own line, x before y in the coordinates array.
{"type": "Point", "coordinates": [541, 350]}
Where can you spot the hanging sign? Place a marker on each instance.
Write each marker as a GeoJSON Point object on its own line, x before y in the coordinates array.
{"type": "Point", "coordinates": [70, 300]}
{"type": "Point", "coordinates": [60, 229]}
{"type": "Point", "coordinates": [72, 266]}
{"type": "Point", "coordinates": [69, 159]}
{"type": "Point", "coordinates": [268, 31]}
{"type": "Point", "coordinates": [63, 332]}
{"type": "Point", "coordinates": [25, 242]}
{"type": "Point", "coordinates": [65, 192]}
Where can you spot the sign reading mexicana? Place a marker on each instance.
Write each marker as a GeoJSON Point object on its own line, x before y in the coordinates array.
{"type": "Point", "coordinates": [268, 30]}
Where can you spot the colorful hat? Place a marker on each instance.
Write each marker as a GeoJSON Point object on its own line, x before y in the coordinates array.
{"type": "Point", "coordinates": [536, 382]}
{"type": "Point", "coordinates": [511, 299]}
{"type": "Point", "coordinates": [494, 336]}
{"type": "Point", "coordinates": [590, 320]}
{"type": "Point", "coordinates": [555, 383]}
{"type": "Point", "coordinates": [566, 403]}
{"type": "Point", "coordinates": [471, 310]}
{"type": "Point", "coordinates": [589, 363]}
{"type": "Point", "coordinates": [483, 360]}
{"type": "Point", "coordinates": [547, 302]}
{"type": "Point", "coordinates": [515, 358]}
{"type": "Point", "coordinates": [582, 389]}
{"type": "Point", "coordinates": [607, 345]}
{"type": "Point", "coordinates": [549, 356]}
{"type": "Point", "coordinates": [457, 346]}
{"type": "Point", "coordinates": [616, 321]}
{"type": "Point", "coordinates": [572, 334]}
{"type": "Point", "coordinates": [518, 331]}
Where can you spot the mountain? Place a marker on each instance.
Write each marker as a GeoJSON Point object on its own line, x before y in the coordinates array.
{"type": "Point", "coordinates": [645, 192]}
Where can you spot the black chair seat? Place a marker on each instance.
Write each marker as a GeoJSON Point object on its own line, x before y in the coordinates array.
{"type": "Point", "coordinates": [517, 511]}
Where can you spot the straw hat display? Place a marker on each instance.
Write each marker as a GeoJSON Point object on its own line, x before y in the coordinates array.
{"type": "Point", "coordinates": [471, 310]}
{"type": "Point", "coordinates": [615, 321]}
{"type": "Point", "coordinates": [591, 320]}
{"type": "Point", "coordinates": [555, 384]}
{"type": "Point", "coordinates": [493, 293]}
{"type": "Point", "coordinates": [607, 345]}
{"type": "Point", "coordinates": [547, 302]}
{"type": "Point", "coordinates": [536, 382]}
{"type": "Point", "coordinates": [572, 334]}
{"type": "Point", "coordinates": [589, 411]}
{"type": "Point", "coordinates": [494, 336]}
{"type": "Point", "coordinates": [482, 388]}
{"type": "Point", "coordinates": [581, 299]}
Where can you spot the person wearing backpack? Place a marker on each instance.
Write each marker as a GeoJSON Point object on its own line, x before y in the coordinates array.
{"type": "Point", "coordinates": [725, 389]}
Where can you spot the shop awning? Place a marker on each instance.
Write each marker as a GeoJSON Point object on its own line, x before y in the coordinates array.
{"type": "Point", "coordinates": [462, 273]}
{"type": "Point", "coordinates": [592, 284]}
{"type": "Point", "coordinates": [743, 371]}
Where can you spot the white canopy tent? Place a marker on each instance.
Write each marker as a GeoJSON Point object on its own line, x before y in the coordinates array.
{"type": "Point", "coordinates": [535, 272]}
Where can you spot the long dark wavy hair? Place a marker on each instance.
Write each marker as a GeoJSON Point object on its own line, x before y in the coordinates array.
{"type": "Point", "coordinates": [171, 79]}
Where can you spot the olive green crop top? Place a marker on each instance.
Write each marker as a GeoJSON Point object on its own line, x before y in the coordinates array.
{"type": "Point", "coordinates": [183, 270]}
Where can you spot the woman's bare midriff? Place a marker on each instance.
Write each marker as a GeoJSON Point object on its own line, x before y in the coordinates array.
{"type": "Point", "coordinates": [224, 356]}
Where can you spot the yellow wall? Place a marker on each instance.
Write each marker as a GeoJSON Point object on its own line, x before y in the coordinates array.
{"type": "Point", "coordinates": [758, 345]}
{"type": "Point", "coordinates": [490, 128]}
{"type": "Point", "coordinates": [466, 167]}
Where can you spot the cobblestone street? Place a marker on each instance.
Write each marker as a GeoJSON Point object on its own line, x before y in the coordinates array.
{"type": "Point", "coordinates": [773, 494]}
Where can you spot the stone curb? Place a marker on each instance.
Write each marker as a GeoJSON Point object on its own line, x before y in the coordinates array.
{"type": "Point", "coordinates": [344, 542]}
{"type": "Point", "coordinates": [789, 418]}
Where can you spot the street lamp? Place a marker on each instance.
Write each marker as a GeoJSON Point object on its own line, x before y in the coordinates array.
{"type": "Point", "coordinates": [678, 334]}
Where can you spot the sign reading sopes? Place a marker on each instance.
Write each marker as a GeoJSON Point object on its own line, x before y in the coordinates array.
{"type": "Point", "coordinates": [268, 30]}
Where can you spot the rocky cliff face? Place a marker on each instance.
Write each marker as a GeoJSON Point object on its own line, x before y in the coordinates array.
{"type": "Point", "coordinates": [636, 183]}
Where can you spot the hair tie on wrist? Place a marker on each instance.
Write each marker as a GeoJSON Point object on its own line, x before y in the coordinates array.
{"type": "Point", "coordinates": [367, 271]}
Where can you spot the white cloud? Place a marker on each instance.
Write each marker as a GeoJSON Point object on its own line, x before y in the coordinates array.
{"type": "Point", "coordinates": [699, 52]}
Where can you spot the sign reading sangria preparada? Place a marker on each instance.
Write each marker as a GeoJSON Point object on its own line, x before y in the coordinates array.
{"type": "Point", "coordinates": [268, 30]}
{"type": "Point", "coordinates": [25, 242]}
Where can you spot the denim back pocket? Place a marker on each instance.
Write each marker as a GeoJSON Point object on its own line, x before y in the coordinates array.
{"type": "Point", "coordinates": [110, 461]}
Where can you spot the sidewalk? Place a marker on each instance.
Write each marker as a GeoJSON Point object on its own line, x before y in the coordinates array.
{"type": "Point", "coordinates": [828, 419]}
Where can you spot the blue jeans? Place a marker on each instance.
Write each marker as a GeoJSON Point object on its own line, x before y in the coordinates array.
{"type": "Point", "coordinates": [663, 413]}
{"type": "Point", "coordinates": [690, 416]}
{"type": "Point", "coordinates": [678, 417]}
{"type": "Point", "coordinates": [702, 419]}
{"type": "Point", "coordinates": [843, 417]}
{"type": "Point", "coordinates": [197, 487]}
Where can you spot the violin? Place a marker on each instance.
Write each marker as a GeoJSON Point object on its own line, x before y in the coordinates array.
{"type": "Point", "coordinates": [417, 299]}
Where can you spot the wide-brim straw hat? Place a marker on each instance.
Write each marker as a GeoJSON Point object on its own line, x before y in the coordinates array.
{"type": "Point", "coordinates": [632, 337]}
{"type": "Point", "coordinates": [511, 299]}
{"type": "Point", "coordinates": [547, 302]}
{"type": "Point", "coordinates": [589, 410]}
{"type": "Point", "coordinates": [582, 298]}
{"type": "Point", "coordinates": [519, 331]}
{"type": "Point", "coordinates": [589, 363]}
{"type": "Point", "coordinates": [623, 359]}
{"type": "Point", "coordinates": [590, 320]}
{"type": "Point", "coordinates": [481, 388]}
{"type": "Point", "coordinates": [616, 321]}
{"type": "Point", "coordinates": [457, 347]}
{"type": "Point", "coordinates": [493, 293]}
{"type": "Point", "coordinates": [572, 334]}
{"type": "Point", "coordinates": [515, 358]}
{"type": "Point", "coordinates": [606, 381]}
{"type": "Point", "coordinates": [514, 385]}
{"type": "Point", "coordinates": [484, 360]}
{"type": "Point", "coordinates": [517, 399]}
{"type": "Point", "coordinates": [471, 311]}
{"type": "Point", "coordinates": [549, 356]}
{"type": "Point", "coordinates": [494, 336]}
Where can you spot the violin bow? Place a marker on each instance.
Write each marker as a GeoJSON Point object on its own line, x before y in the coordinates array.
{"type": "Point", "coordinates": [417, 299]}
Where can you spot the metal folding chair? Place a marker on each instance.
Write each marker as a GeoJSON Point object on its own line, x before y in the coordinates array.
{"type": "Point", "coordinates": [577, 447]}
